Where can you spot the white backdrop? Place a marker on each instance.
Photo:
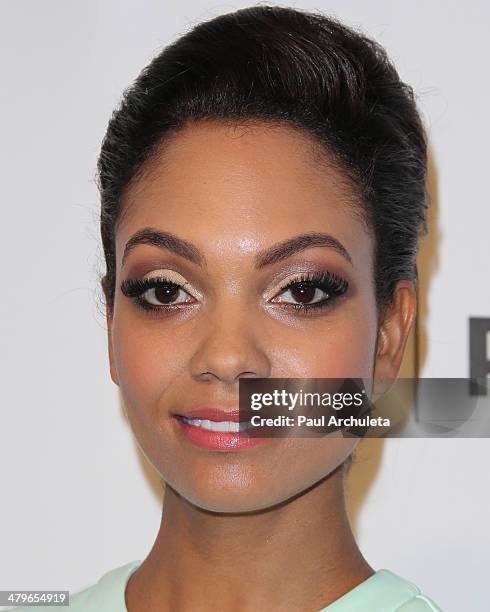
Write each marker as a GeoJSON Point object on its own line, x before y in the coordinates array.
{"type": "Point", "coordinates": [77, 497]}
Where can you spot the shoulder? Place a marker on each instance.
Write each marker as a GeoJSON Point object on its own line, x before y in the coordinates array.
{"type": "Point", "coordinates": [106, 594]}
{"type": "Point", "coordinates": [416, 601]}
{"type": "Point", "coordinates": [384, 591]}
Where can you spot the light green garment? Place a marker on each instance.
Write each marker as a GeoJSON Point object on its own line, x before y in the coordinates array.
{"type": "Point", "coordinates": [384, 591]}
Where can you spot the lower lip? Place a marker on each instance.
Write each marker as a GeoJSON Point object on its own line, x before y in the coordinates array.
{"type": "Point", "coordinates": [218, 440]}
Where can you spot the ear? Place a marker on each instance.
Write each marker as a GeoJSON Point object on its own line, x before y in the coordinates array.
{"type": "Point", "coordinates": [397, 321]}
{"type": "Point", "coordinates": [109, 320]}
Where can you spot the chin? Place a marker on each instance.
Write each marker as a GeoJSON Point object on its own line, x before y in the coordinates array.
{"type": "Point", "coordinates": [233, 503]}
{"type": "Point", "coordinates": [235, 495]}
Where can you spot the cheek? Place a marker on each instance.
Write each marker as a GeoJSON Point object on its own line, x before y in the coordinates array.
{"type": "Point", "coordinates": [340, 347]}
{"type": "Point", "coordinates": [349, 350]}
{"type": "Point", "coordinates": [151, 363]}
{"type": "Point", "coordinates": [148, 357]}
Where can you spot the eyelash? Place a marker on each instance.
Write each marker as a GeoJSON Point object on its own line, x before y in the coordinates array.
{"type": "Point", "coordinates": [333, 285]}
{"type": "Point", "coordinates": [134, 288]}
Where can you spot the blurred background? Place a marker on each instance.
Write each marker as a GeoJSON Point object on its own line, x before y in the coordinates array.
{"type": "Point", "coordinates": [77, 496]}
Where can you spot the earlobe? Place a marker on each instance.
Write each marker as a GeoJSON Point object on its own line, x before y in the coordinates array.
{"type": "Point", "coordinates": [394, 330]}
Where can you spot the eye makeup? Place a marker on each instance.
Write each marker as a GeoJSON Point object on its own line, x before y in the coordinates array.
{"type": "Point", "coordinates": [165, 291]}
{"type": "Point", "coordinates": [309, 291]}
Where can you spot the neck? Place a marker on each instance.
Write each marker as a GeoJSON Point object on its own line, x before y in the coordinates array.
{"type": "Point", "coordinates": [213, 561]}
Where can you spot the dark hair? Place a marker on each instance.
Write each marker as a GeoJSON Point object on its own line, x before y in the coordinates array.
{"type": "Point", "coordinates": [282, 65]}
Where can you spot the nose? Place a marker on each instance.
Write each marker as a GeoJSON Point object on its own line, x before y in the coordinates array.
{"type": "Point", "coordinates": [230, 350]}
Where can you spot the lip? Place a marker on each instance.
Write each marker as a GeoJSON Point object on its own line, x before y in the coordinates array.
{"type": "Point", "coordinates": [215, 440]}
{"type": "Point", "coordinates": [212, 413]}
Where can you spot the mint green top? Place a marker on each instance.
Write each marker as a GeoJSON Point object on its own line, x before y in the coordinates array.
{"type": "Point", "coordinates": [384, 591]}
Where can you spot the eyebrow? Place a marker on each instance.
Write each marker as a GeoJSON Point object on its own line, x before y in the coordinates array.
{"type": "Point", "coordinates": [289, 247]}
{"type": "Point", "coordinates": [271, 255]}
{"type": "Point", "coordinates": [164, 240]}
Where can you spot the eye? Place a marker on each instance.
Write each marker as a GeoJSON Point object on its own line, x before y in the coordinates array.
{"type": "Point", "coordinates": [157, 293]}
{"type": "Point", "coordinates": [165, 293]}
{"type": "Point", "coordinates": [312, 290]}
{"type": "Point", "coordinates": [304, 294]}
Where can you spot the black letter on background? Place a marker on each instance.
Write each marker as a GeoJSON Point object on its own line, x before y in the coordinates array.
{"type": "Point", "coordinates": [479, 360]}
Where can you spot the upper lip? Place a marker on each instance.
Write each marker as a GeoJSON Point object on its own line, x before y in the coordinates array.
{"type": "Point", "coordinates": [212, 413]}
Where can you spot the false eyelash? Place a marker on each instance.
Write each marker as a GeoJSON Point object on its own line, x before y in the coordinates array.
{"type": "Point", "coordinates": [332, 284]}
{"type": "Point", "coordinates": [329, 282]}
{"type": "Point", "coordinates": [134, 288]}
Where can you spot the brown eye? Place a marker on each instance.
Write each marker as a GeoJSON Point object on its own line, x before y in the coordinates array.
{"type": "Point", "coordinates": [310, 291]}
{"type": "Point", "coordinates": [166, 293]}
{"type": "Point", "coordinates": [157, 293]}
{"type": "Point", "coordinates": [304, 293]}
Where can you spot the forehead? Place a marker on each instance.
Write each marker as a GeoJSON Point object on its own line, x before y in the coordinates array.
{"type": "Point", "coordinates": [249, 184]}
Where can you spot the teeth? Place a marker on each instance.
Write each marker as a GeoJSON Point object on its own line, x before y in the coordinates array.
{"type": "Point", "coordinates": [218, 425]}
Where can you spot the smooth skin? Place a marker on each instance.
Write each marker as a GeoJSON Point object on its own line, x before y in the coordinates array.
{"type": "Point", "coordinates": [263, 528]}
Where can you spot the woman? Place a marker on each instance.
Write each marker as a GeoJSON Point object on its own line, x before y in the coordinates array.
{"type": "Point", "coordinates": [263, 195]}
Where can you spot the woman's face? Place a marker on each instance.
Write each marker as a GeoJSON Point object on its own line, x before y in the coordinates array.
{"type": "Point", "coordinates": [235, 195]}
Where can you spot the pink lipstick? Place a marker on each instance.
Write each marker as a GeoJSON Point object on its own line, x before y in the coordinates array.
{"type": "Point", "coordinates": [216, 428]}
